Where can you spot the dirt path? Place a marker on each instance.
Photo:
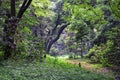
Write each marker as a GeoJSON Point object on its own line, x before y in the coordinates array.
{"type": "Point", "coordinates": [90, 67]}
{"type": "Point", "coordinates": [112, 72]}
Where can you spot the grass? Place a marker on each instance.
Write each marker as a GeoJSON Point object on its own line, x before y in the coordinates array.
{"type": "Point", "coordinates": [54, 69]}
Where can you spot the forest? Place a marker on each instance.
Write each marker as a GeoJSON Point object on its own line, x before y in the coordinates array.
{"type": "Point", "coordinates": [59, 39]}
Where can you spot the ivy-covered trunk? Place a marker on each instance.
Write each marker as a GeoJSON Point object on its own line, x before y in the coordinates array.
{"type": "Point", "coordinates": [9, 36]}
{"type": "Point", "coordinates": [11, 26]}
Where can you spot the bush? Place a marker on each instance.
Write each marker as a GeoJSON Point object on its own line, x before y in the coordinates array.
{"type": "Point", "coordinates": [91, 52]}
{"type": "Point", "coordinates": [105, 54]}
{"type": "Point", "coordinates": [73, 56]}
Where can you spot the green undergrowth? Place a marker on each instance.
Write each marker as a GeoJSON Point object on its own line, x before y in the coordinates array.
{"type": "Point", "coordinates": [53, 69]}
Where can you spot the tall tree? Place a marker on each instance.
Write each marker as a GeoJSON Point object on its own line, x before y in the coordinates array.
{"type": "Point", "coordinates": [60, 25]}
{"type": "Point", "coordinates": [53, 26]}
{"type": "Point", "coordinates": [11, 22]}
{"type": "Point", "coordinates": [85, 17]}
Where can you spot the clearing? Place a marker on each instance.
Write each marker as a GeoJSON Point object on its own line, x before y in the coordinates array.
{"type": "Point", "coordinates": [54, 69]}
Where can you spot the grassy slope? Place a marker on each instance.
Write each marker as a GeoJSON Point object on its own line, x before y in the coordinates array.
{"type": "Point", "coordinates": [54, 69]}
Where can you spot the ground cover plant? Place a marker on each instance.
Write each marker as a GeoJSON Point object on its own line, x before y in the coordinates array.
{"type": "Point", "coordinates": [54, 69]}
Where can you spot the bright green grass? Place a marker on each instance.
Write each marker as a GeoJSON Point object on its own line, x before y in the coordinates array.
{"type": "Point", "coordinates": [54, 69]}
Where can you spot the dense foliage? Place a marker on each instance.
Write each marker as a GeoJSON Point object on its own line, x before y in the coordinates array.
{"type": "Point", "coordinates": [30, 29]}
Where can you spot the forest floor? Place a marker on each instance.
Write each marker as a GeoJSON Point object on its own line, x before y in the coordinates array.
{"type": "Point", "coordinates": [53, 69]}
{"type": "Point", "coordinates": [97, 68]}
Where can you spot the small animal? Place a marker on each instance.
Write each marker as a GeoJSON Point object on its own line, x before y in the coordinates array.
{"type": "Point", "coordinates": [79, 64]}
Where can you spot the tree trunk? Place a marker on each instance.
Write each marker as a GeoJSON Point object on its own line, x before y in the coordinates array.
{"type": "Point", "coordinates": [11, 26]}
{"type": "Point", "coordinates": [9, 32]}
{"type": "Point", "coordinates": [48, 46]}
{"type": "Point", "coordinates": [81, 49]}
{"type": "Point", "coordinates": [52, 41]}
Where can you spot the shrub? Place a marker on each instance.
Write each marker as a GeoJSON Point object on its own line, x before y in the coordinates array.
{"type": "Point", "coordinates": [71, 56]}
{"type": "Point", "coordinates": [105, 54]}
{"type": "Point", "coordinates": [91, 52]}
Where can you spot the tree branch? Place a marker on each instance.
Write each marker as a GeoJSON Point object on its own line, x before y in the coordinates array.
{"type": "Point", "coordinates": [0, 2]}
{"type": "Point", "coordinates": [13, 10]}
{"type": "Point", "coordinates": [23, 8]}
{"type": "Point", "coordinates": [60, 31]}
{"type": "Point", "coordinates": [56, 24]}
{"type": "Point", "coordinates": [51, 41]}
{"type": "Point", "coordinates": [23, 5]}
